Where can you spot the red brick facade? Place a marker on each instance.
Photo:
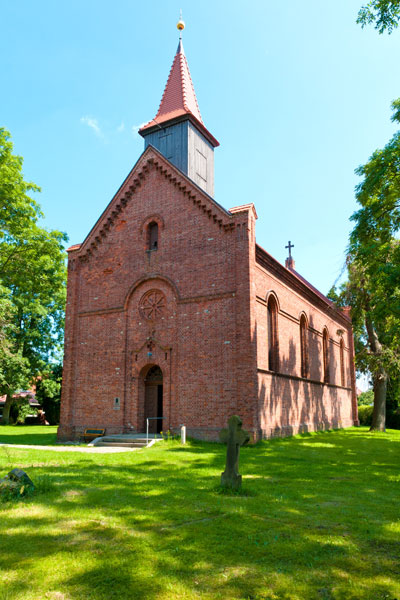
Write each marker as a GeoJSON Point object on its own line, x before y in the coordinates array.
{"type": "Point", "coordinates": [197, 307]}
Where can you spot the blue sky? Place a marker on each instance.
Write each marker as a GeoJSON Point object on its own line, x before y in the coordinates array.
{"type": "Point", "coordinates": [297, 94]}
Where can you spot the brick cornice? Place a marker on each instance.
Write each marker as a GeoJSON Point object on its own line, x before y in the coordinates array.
{"type": "Point", "coordinates": [305, 380]}
{"type": "Point", "coordinates": [273, 266]}
{"type": "Point", "coordinates": [149, 160]}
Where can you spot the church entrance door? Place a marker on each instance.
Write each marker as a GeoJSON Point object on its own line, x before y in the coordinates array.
{"type": "Point", "coordinates": [153, 399]}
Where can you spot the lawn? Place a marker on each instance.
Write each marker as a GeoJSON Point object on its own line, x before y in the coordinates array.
{"type": "Point", "coordinates": [32, 434]}
{"type": "Point", "coordinates": [318, 519]}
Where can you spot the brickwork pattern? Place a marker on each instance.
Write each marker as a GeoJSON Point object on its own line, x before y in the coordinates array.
{"type": "Point", "coordinates": [210, 337]}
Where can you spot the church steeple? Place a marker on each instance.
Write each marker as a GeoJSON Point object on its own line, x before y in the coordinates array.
{"type": "Point", "coordinates": [178, 131]}
{"type": "Point", "coordinates": [179, 97]}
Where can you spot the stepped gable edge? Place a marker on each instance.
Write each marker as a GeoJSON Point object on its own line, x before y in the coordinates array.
{"type": "Point", "coordinates": [300, 284]}
{"type": "Point", "coordinates": [149, 159]}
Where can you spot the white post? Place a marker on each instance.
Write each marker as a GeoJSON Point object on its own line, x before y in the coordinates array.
{"type": "Point", "coordinates": [183, 434]}
{"type": "Point", "coordinates": [147, 432]}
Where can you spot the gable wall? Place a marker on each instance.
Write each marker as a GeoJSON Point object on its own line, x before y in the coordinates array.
{"type": "Point", "coordinates": [193, 251]}
{"type": "Point", "coordinates": [196, 341]}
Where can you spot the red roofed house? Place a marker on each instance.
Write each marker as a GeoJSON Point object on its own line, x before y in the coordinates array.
{"type": "Point", "coordinates": [175, 312]}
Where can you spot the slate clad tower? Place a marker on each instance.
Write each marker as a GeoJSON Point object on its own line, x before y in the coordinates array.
{"type": "Point", "coordinates": [175, 314]}
{"type": "Point", "coordinates": [178, 131]}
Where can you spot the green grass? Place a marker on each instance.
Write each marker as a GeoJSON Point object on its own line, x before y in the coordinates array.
{"type": "Point", "coordinates": [38, 435]}
{"type": "Point", "coordinates": [318, 519]}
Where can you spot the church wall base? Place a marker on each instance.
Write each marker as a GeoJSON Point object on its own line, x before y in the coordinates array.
{"type": "Point", "coordinates": [289, 430]}
{"type": "Point", "coordinates": [70, 433]}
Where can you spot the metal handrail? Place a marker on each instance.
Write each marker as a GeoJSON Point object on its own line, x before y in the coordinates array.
{"type": "Point", "coordinates": [147, 427]}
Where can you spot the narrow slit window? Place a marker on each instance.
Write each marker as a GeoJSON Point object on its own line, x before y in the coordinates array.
{"type": "Point", "coordinates": [152, 236]}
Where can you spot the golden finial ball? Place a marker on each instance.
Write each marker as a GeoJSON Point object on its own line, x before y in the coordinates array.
{"type": "Point", "coordinates": [180, 25]}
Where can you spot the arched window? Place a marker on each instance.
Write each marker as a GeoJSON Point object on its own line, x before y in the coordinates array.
{"type": "Point", "coordinates": [342, 377]}
{"type": "Point", "coordinates": [273, 346]}
{"type": "Point", "coordinates": [152, 236]}
{"type": "Point", "coordinates": [304, 346]}
{"type": "Point", "coordinates": [325, 354]}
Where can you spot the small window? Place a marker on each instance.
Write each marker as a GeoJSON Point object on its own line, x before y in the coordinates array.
{"type": "Point", "coordinates": [152, 236]}
{"type": "Point", "coordinates": [273, 348]}
{"type": "Point", "coordinates": [304, 346]}
{"type": "Point", "coordinates": [342, 377]}
{"type": "Point", "coordinates": [325, 354]}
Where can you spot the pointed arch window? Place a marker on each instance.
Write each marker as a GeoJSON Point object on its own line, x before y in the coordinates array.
{"type": "Point", "coordinates": [304, 346]}
{"type": "Point", "coordinates": [152, 236]}
{"type": "Point", "coordinates": [273, 345]}
{"type": "Point", "coordinates": [341, 350]}
{"type": "Point", "coordinates": [325, 354]}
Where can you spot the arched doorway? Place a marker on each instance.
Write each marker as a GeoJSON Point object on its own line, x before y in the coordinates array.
{"type": "Point", "coordinates": [153, 399]}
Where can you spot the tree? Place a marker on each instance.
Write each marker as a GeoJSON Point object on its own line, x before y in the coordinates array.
{"type": "Point", "coordinates": [13, 367]}
{"type": "Point", "coordinates": [48, 393]}
{"type": "Point", "coordinates": [373, 287]}
{"type": "Point", "coordinates": [365, 398]}
{"type": "Point", "coordinates": [385, 14]}
{"type": "Point", "coordinates": [376, 329]}
{"type": "Point", "coordinates": [32, 276]}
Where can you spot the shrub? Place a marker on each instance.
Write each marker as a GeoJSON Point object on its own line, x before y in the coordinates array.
{"type": "Point", "coordinates": [366, 398]}
{"type": "Point", "coordinates": [24, 409]}
{"type": "Point", "coordinates": [393, 419]}
{"type": "Point", "coordinates": [365, 414]}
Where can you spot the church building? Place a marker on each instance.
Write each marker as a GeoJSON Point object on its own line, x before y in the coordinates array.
{"type": "Point", "coordinates": [175, 314]}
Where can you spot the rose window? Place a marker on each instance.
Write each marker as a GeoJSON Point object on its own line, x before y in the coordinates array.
{"type": "Point", "coordinates": [152, 305]}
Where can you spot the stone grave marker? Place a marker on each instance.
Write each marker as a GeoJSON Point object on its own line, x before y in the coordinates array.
{"type": "Point", "coordinates": [234, 437]}
{"type": "Point", "coordinates": [16, 482]}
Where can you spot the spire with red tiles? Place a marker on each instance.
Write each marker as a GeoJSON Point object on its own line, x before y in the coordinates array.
{"type": "Point", "coordinates": [179, 98]}
{"type": "Point", "coordinates": [178, 131]}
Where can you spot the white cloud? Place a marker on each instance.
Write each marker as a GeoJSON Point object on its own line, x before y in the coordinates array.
{"type": "Point", "coordinates": [135, 128]}
{"type": "Point", "coordinates": [121, 127]}
{"type": "Point", "coordinates": [93, 124]}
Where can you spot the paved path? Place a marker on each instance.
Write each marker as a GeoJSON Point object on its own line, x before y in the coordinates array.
{"type": "Point", "coordinates": [91, 449]}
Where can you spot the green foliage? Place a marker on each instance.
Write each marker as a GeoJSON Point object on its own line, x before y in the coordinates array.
{"type": "Point", "coordinates": [48, 392]}
{"type": "Point", "coordinates": [13, 366]}
{"type": "Point", "coordinates": [365, 414]}
{"type": "Point", "coordinates": [366, 398]}
{"type": "Point", "coordinates": [23, 410]}
{"type": "Point", "coordinates": [373, 286]}
{"type": "Point", "coordinates": [384, 14]}
{"type": "Point", "coordinates": [32, 279]}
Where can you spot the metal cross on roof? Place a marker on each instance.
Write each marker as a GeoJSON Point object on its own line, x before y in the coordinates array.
{"type": "Point", "coordinates": [290, 246]}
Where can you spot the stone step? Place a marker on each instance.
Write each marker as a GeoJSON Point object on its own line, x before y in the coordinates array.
{"type": "Point", "coordinates": [117, 444]}
{"type": "Point", "coordinates": [123, 438]}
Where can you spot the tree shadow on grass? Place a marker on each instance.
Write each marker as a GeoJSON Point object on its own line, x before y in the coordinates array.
{"type": "Point", "coordinates": [32, 435]}
{"type": "Point", "coordinates": [150, 525]}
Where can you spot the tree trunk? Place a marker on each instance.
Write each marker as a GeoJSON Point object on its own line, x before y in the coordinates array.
{"type": "Point", "coordinates": [379, 413]}
{"type": "Point", "coordinates": [6, 410]}
{"type": "Point", "coordinates": [379, 378]}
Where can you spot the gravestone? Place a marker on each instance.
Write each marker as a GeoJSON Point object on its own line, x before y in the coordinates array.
{"type": "Point", "coordinates": [234, 437]}
{"type": "Point", "coordinates": [16, 482]}
{"type": "Point", "coordinates": [20, 476]}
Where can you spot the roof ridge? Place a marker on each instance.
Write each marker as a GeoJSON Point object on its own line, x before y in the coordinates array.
{"type": "Point", "coordinates": [165, 89]}
{"type": "Point", "coordinates": [191, 84]}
